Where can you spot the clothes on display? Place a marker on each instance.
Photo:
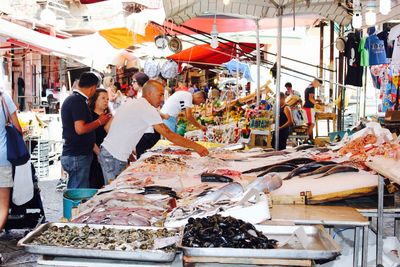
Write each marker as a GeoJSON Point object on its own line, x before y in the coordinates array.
{"type": "Point", "coordinates": [384, 36]}
{"type": "Point", "coordinates": [364, 57]}
{"type": "Point", "coordinates": [234, 66]}
{"type": "Point", "coordinates": [376, 50]}
{"type": "Point", "coordinates": [395, 35]}
{"type": "Point", "coordinates": [354, 69]}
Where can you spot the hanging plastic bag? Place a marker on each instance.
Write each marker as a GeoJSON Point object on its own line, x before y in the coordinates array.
{"type": "Point", "coordinates": [23, 184]}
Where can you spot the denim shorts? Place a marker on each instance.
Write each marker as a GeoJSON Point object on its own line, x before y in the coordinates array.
{"type": "Point", "coordinates": [78, 169]}
{"type": "Point", "coordinates": [110, 166]}
{"type": "Point", "coordinates": [6, 179]}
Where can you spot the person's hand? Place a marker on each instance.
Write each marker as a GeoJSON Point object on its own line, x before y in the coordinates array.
{"type": "Point", "coordinates": [201, 150]}
{"type": "Point", "coordinates": [104, 118]}
{"type": "Point", "coordinates": [203, 128]}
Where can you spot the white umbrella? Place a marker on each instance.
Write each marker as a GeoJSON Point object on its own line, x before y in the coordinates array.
{"type": "Point", "coordinates": [182, 10]}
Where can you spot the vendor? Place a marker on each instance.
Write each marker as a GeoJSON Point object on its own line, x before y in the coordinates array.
{"type": "Point", "coordinates": [290, 91]}
{"type": "Point", "coordinates": [309, 104]}
{"type": "Point", "coordinates": [285, 121]}
{"type": "Point", "coordinates": [178, 102]}
{"type": "Point", "coordinates": [128, 126]}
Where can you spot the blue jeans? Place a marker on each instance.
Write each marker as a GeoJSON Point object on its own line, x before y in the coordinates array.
{"type": "Point", "coordinates": [111, 166]}
{"type": "Point", "coordinates": [171, 123]}
{"type": "Point", "coordinates": [78, 169]}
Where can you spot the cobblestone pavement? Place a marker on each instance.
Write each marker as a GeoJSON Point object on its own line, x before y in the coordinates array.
{"type": "Point", "coordinates": [52, 201]}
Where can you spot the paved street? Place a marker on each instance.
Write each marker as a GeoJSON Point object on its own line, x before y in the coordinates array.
{"type": "Point", "coordinates": [52, 201]}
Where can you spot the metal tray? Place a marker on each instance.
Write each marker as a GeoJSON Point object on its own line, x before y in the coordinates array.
{"type": "Point", "coordinates": [137, 255]}
{"type": "Point", "coordinates": [321, 246]}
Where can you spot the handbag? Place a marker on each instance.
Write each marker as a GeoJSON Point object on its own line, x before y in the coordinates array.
{"type": "Point", "coordinates": [17, 152]}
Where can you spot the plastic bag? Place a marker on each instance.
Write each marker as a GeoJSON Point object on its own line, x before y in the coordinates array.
{"type": "Point", "coordinates": [23, 184]}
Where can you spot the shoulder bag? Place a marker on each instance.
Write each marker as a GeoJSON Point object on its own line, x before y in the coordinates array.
{"type": "Point", "coordinates": [17, 152]}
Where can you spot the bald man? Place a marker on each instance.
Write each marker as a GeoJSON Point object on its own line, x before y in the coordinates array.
{"type": "Point", "coordinates": [129, 124]}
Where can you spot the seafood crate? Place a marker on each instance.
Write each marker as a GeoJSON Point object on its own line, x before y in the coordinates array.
{"type": "Point", "coordinates": [151, 255]}
{"type": "Point", "coordinates": [319, 245]}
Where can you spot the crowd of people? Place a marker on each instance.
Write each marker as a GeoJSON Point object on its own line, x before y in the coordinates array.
{"type": "Point", "coordinates": [99, 144]}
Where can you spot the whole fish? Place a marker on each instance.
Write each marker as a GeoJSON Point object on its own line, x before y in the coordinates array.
{"type": "Point", "coordinates": [304, 147]}
{"type": "Point", "coordinates": [339, 169]}
{"type": "Point", "coordinates": [319, 170]}
{"type": "Point", "coordinates": [306, 168]}
{"type": "Point", "coordinates": [227, 191]}
{"type": "Point", "coordinates": [270, 154]}
{"type": "Point", "coordinates": [215, 178]}
{"type": "Point", "coordinates": [279, 168]}
{"type": "Point", "coordinates": [295, 161]}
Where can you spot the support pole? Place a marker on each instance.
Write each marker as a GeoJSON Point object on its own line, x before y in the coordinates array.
{"type": "Point", "coordinates": [331, 59]}
{"type": "Point", "coordinates": [258, 61]}
{"type": "Point", "coordinates": [278, 76]}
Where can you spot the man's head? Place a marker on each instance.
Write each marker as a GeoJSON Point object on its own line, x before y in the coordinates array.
{"type": "Point", "coordinates": [153, 92]}
{"type": "Point", "coordinates": [199, 97]}
{"type": "Point", "coordinates": [316, 82]}
{"type": "Point", "coordinates": [88, 82]}
{"type": "Point", "coordinates": [288, 86]}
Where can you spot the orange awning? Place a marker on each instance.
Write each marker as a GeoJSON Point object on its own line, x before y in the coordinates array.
{"type": "Point", "coordinates": [122, 38]}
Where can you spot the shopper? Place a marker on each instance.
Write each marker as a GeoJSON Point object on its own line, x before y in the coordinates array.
{"type": "Point", "coordinates": [134, 117]}
{"type": "Point", "coordinates": [138, 81]}
{"type": "Point", "coordinates": [285, 121]}
{"type": "Point", "coordinates": [78, 131]}
{"type": "Point", "coordinates": [6, 179]}
{"type": "Point", "coordinates": [98, 106]}
{"type": "Point", "coordinates": [178, 102]}
{"type": "Point", "coordinates": [309, 103]}
{"type": "Point", "coordinates": [290, 91]}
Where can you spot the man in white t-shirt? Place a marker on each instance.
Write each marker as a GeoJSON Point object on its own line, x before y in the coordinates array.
{"type": "Point", "coordinates": [180, 101]}
{"type": "Point", "coordinates": [129, 124]}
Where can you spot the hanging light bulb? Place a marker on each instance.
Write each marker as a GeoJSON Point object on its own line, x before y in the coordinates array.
{"type": "Point", "coordinates": [370, 18]}
{"type": "Point", "coordinates": [357, 20]}
{"type": "Point", "coordinates": [385, 6]}
{"type": "Point", "coordinates": [226, 2]}
{"type": "Point", "coordinates": [214, 34]}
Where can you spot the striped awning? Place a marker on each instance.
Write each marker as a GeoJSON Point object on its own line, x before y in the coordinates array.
{"type": "Point", "coordinates": [183, 10]}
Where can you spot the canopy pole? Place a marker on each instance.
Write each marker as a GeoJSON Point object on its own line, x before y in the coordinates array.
{"type": "Point", "coordinates": [278, 76]}
{"type": "Point", "coordinates": [258, 61]}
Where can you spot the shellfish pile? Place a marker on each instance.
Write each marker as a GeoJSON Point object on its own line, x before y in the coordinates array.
{"type": "Point", "coordinates": [103, 238]}
{"type": "Point", "coordinates": [218, 231]}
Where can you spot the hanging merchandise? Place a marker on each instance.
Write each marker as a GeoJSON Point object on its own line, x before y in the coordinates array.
{"type": "Point", "coordinates": [364, 58]}
{"type": "Point", "coordinates": [234, 65]}
{"type": "Point", "coordinates": [354, 70]}
{"type": "Point", "coordinates": [151, 68]}
{"type": "Point", "coordinates": [376, 48]}
{"type": "Point", "coordinates": [384, 36]}
{"type": "Point", "coordinates": [175, 45]}
{"type": "Point", "coordinates": [169, 69]}
{"type": "Point", "coordinates": [340, 44]}
{"type": "Point", "coordinates": [394, 34]}
{"type": "Point", "coordinates": [161, 41]}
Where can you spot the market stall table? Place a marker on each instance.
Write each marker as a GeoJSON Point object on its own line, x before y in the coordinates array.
{"type": "Point", "coordinates": [326, 216]}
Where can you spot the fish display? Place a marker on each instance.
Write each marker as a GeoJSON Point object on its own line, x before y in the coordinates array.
{"type": "Point", "coordinates": [307, 168]}
{"type": "Point", "coordinates": [269, 182]}
{"type": "Point", "coordinates": [338, 169]}
{"type": "Point", "coordinates": [270, 154]}
{"type": "Point", "coordinates": [304, 147]}
{"type": "Point", "coordinates": [218, 231]}
{"type": "Point", "coordinates": [319, 170]}
{"type": "Point", "coordinates": [104, 238]}
{"type": "Point", "coordinates": [295, 161]}
{"type": "Point", "coordinates": [207, 177]}
{"type": "Point", "coordinates": [227, 191]}
{"type": "Point", "coordinates": [278, 168]}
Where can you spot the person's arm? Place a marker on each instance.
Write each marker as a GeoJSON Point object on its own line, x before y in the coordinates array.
{"type": "Point", "coordinates": [312, 99]}
{"type": "Point", "coordinates": [15, 122]}
{"type": "Point", "coordinates": [81, 127]}
{"type": "Point", "coordinates": [179, 140]}
{"type": "Point", "coordinates": [164, 116]}
{"type": "Point", "coordinates": [288, 114]}
{"type": "Point", "coordinates": [189, 117]}
{"type": "Point", "coordinates": [96, 149]}
{"type": "Point", "coordinates": [108, 124]}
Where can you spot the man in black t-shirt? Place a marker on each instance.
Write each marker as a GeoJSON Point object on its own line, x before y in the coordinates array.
{"type": "Point", "coordinates": [78, 131]}
{"type": "Point", "coordinates": [309, 103]}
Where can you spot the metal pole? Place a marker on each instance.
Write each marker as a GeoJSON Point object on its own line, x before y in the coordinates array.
{"type": "Point", "coordinates": [379, 237]}
{"type": "Point", "coordinates": [258, 61]}
{"type": "Point", "coordinates": [278, 76]}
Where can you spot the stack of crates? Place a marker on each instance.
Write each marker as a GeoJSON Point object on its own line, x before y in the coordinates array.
{"type": "Point", "coordinates": [40, 158]}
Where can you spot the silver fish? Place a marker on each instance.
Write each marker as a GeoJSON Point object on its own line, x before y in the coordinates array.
{"type": "Point", "coordinates": [339, 169]}
{"type": "Point", "coordinates": [322, 169]}
{"type": "Point", "coordinates": [227, 191]}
